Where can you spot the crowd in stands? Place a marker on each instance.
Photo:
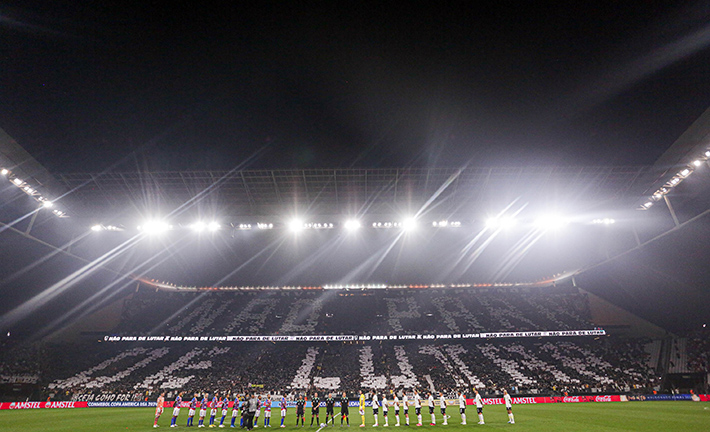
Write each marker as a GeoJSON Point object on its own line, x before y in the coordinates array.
{"type": "Point", "coordinates": [520, 365]}
{"type": "Point", "coordinates": [698, 348]}
{"type": "Point", "coordinates": [575, 365]}
{"type": "Point", "coordinates": [431, 311]}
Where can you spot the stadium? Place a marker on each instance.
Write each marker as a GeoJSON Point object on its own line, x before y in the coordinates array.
{"type": "Point", "coordinates": [146, 286]}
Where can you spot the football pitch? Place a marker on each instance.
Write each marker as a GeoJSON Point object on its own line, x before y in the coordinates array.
{"type": "Point", "coordinates": [610, 416]}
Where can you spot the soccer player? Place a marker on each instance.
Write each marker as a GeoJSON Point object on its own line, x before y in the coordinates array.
{"type": "Point", "coordinates": [430, 399]}
{"type": "Point", "coordinates": [479, 406]}
{"type": "Point", "coordinates": [375, 407]}
{"type": "Point", "coordinates": [385, 408]}
{"type": "Point", "coordinates": [176, 410]}
{"type": "Point", "coordinates": [258, 411]}
{"type": "Point", "coordinates": [245, 410]}
{"type": "Point", "coordinates": [396, 408]}
{"type": "Point", "coordinates": [315, 407]}
{"type": "Point", "coordinates": [267, 411]}
{"type": "Point", "coordinates": [283, 410]}
{"type": "Point", "coordinates": [329, 408]}
{"type": "Point", "coordinates": [235, 410]}
{"type": "Point", "coordinates": [509, 406]}
{"type": "Point", "coordinates": [462, 407]}
{"type": "Point", "coordinates": [362, 408]}
{"type": "Point", "coordinates": [418, 407]}
{"type": "Point", "coordinates": [442, 405]}
{"type": "Point", "coordinates": [225, 410]}
{"type": "Point", "coordinates": [193, 407]}
{"type": "Point", "coordinates": [300, 410]}
{"type": "Point", "coordinates": [159, 408]}
{"type": "Point", "coordinates": [203, 411]}
{"type": "Point", "coordinates": [213, 412]}
{"type": "Point", "coordinates": [344, 409]}
{"type": "Point", "coordinates": [405, 405]}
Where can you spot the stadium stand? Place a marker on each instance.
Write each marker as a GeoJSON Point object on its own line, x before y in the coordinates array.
{"type": "Point", "coordinates": [390, 312]}
{"type": "Point", "coordinates": [98, 370]}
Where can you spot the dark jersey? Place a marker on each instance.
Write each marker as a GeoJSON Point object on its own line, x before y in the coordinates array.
{"type": "Point", "coordinates": [300, 404]}
{"type": "Point", "coordinates": [329, 404]}
{"type": "Point", "coordinates": [344, 404]}
{"type": "Point", "coordinates": [315, 404]}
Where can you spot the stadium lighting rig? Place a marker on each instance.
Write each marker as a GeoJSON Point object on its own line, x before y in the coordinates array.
{"type": "Point", "coordinates": [99, 227]}
{"type": "Point", "coordinates": [674, 181]}
{"type": "Point", "coordinates": [200, 226]}
{"type": "Point", "coordinates": [31, 191]}
{"type": "Point", "coordinates": [446, 224]}
{"type": "Point", "coordinates": [605, 221]}
{"type": "Point", "coordinates": [352, 225]}
{"type": "Point", "coordinates": [295, 225]}
{"type": "Point", "coordinates": [154, 227]}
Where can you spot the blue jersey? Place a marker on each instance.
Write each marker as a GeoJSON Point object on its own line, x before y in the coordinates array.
{"type": "Point", "coordinates": [203, 404]}
{"type": "Point", "coordinates": [193, 403]}
{"type": "Point", "coordinates": [267, 405]}
{"type": "Point", "coordinates": [283, 403]}
{"type": "Point", "coordinates": [214, 402]}
{"type": "Point", "coordinates": [236, 403]}
{"type": "Point", "coordinates": [178, 402]}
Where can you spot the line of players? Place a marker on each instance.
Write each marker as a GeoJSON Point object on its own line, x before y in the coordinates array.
{"type": "Point", "coordinates": [250, 408]}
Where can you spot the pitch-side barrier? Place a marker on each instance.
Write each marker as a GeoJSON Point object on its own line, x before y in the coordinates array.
{"type": "Point", "coordinates": [486, 401]}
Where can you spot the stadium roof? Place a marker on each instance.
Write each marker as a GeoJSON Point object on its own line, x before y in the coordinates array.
{"type": "Point", "coordinates": [449, 191]}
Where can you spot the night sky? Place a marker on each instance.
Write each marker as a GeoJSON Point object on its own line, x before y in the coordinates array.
{"type": "Point", "coordinates": [164, 86]}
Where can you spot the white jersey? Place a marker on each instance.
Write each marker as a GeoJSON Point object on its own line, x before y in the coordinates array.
{"type": "Point", "coordinates": [508, 401]}
{"type": "Point", "coordinates": [478, 401]}
{"type": "Point", "coordinates": [417, 401]}
{"type": "Point", "coordinates": [396, 401]}
{"type": "Point", "coordinates": [431, 401]}
{"type": "Point", "coordinates": [375, 405]}
{"type": "Point", "coordinates": [384, 403]}
{"type": "Point", "coordinates": [405, 401]}
{"type": "Point", "coordinates": [442, 402]}
{"type": "Point", "coordinates": [462, 401]}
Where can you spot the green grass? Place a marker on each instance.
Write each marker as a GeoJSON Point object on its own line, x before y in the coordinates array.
{"type": "Point", "coordinates": [611, 416]}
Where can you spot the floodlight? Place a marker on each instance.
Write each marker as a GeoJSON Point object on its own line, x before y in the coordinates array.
{"type": "Point", "coordinates": [17, 181]}
{"type": "Point", "coordinates": [264, 226]}
{"type": "Point", "coordinates": [675, 181]}
{"type": "Point", "coordinates": [605, 221]}
{"type": "Point", "coordinates": [685, 172]}
{"type": "Point", "coordinates": [47, 203]}
{"type": "Point", "coordinates": [97, 228]}
{"type": "Point", "coordinates": [213, 226]}
{"type": "Point", "coordinates": [4, 171]}
{"type": "Point", "coordinates": [245, 226]}
{"type": "Point", "coordinates": [648, 204]}
{"type": "Point", "coordinates": [154, 227]}
{"type": "Point", "coordinates": [295, 225]}
{"type": "Point", "coordinates": [551, 222]}
{"type": "Point", "coordinates": [707, 153]}
{"type": "Point", "coordinates": [352, 225]}
{"type": "Point", "coordinates": [198, 226]}
{"type": "Point", "coordinates": [697, 163]}
{"type": "Point", "coordinates": [409, 224]}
